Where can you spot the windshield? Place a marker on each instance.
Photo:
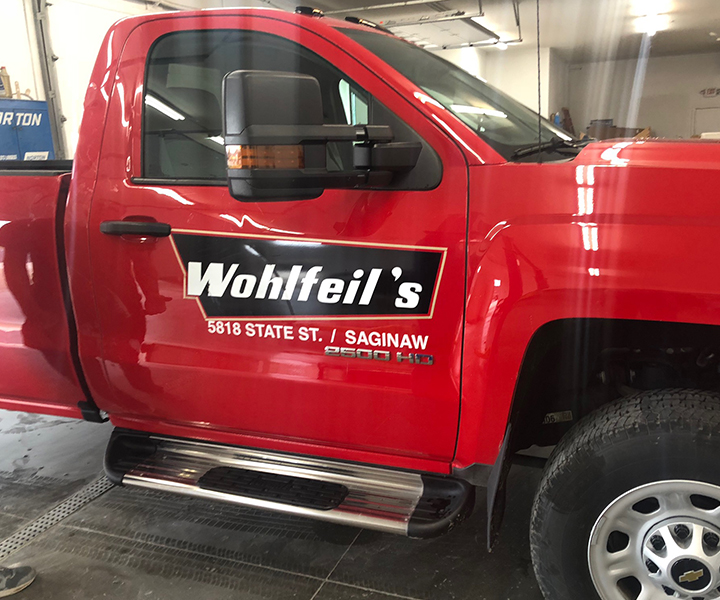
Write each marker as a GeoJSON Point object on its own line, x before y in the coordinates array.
{"type": "Point", "coordinates": [502, 122]}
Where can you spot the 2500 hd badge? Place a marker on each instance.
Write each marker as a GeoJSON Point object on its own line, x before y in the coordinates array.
{"type": "Point", "coordinates": [244, 277]}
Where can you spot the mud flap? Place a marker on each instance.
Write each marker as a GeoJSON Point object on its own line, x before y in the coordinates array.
{"type": "Point", "coordinates": [496, 492]}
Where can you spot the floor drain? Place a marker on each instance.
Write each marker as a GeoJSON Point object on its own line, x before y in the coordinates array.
{"type": "Point", "coordinates": [67, 507]}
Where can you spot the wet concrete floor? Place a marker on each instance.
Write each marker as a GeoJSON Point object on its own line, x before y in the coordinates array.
{"type": "Point", "coordinates": [145, 545]}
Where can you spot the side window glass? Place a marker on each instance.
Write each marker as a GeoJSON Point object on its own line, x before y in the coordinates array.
{"type": "Point", "coordinates": [355, 103]}
{"type": "Point", "coordinates": [182, 118]}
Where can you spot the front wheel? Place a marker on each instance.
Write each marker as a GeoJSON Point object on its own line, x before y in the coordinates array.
{"type": "Point", "coordinates": [629, 505]}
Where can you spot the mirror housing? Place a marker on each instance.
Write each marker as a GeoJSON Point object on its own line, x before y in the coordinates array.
{"type": "Point", "coordinates": [276, 143]}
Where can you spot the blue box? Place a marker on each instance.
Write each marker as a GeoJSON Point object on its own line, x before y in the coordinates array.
{"type": "Point", "coordinates": [25, 132]}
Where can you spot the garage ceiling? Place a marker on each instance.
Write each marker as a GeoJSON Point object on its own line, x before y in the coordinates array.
{"type": "Point", "coordinates": [583, 30]}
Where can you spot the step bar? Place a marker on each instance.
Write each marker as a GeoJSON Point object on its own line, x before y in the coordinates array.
{"type": "Point", "coordinates": [409, 503]}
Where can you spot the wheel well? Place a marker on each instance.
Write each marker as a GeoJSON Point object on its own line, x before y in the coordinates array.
{"type": "Point", "coordinates": [573, 366]}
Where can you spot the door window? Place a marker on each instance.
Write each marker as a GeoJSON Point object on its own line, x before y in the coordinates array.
{"type": "Point", "coordinates": [182, 133]}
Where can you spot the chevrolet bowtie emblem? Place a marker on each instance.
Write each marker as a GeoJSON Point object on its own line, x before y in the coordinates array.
{"type": "Point", "coordinates": [691, 576]}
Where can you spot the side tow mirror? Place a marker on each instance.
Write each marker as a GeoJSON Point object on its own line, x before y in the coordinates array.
{"type": "Point", "coordinates": [276, 143]}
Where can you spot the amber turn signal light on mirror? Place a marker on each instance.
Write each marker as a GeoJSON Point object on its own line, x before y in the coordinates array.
{"type": "Point", "coordinates": [265, 157]}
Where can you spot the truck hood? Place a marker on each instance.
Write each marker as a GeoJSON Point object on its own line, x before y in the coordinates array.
{"type": "Point", "coordinates": [676, 154]}
{"type": "Point", "coordinates": [618, 181]}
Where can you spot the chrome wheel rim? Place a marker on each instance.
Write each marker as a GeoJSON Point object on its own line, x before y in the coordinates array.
{"type": "Point", "coordinates": [660, 540]}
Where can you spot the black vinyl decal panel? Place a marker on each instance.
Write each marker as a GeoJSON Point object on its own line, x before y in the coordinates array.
{"type": "Point", "coordinates": [243, 277]}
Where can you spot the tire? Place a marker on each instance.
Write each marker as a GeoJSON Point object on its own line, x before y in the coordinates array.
{"type": "Point", "coordinates": [648, 464]}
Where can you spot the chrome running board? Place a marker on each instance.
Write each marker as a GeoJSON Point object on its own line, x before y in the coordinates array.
{"type": "Point", "coordinates": [408, 503]}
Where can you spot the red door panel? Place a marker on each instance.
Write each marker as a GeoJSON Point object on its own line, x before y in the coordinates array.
{"type": "Point", "coordinates": [36, 369]}
{"type": "Point", "coordinates": [241, 377]}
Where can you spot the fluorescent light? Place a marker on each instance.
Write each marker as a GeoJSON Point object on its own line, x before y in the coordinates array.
{"type": "Point", "coordinates": [652, 15]}
{"type": "Point", "coordinates": [218, 139]}
{"type": "Point", "coordinates": [163, 108]}
{"type": "Point", "coordinates": [651, 24]}
{"type": "Point", "coordinates": [501, 46]}
{"type": "Point", "coordinates": [641, 8]}
{"type": "Point", "coordinates": [474, 110]}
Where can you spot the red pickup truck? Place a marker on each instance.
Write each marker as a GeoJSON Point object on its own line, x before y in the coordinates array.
{"type": "Point", "coordinates": [306, 266]}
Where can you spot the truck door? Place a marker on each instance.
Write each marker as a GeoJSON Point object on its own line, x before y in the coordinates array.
{"type": "Point", "coordinates": [329, 325]}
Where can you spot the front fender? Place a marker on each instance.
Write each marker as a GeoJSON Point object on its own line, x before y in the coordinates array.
{"type": "Point", "coordinates": [532, 274]}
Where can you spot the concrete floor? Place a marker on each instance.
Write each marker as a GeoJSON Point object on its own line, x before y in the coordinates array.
{"type": "Point", "coordinates": [142, 545]}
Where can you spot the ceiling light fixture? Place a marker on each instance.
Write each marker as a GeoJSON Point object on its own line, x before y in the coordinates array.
{"type": "Point", "coordinates": [652, 15]}
{"type": "Point", "coordinates": [641, 8]}
{"type": "Point", "coordinates": [501, 45]}
{"type": "Point", "coordinates": [651, 24]}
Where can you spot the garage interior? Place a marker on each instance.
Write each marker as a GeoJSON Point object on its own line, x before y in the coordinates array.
{"type": "Point", "coordinates": [607, 69]}
{"type": "Point", "coordinates": [621, 64]}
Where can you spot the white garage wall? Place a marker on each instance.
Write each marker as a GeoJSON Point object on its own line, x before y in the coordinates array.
{"type": "Point", "coordinates": [18, 48]}
{"type": "Point", "coordinates": [514, 71]}
{"type": "Point", "coordinates": [470, 59]}
{"type": "Point", "coordinates": [77, 28]}
{"type": "Point", "coordinates": [668, 100]}
{"type": "Point", "coordinates": [558, 82]}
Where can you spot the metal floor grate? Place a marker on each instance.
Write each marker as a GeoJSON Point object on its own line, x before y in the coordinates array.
{"type": "Point", "coordinates": [67, 507]}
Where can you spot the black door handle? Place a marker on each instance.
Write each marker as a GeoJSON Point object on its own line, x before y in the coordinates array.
{"type": "Point", "coordinates": [142, 228]}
